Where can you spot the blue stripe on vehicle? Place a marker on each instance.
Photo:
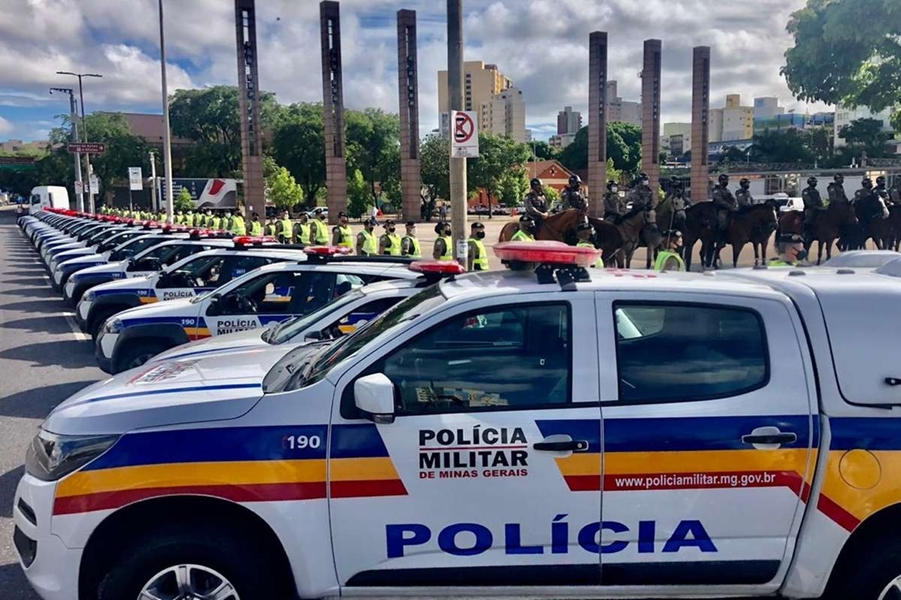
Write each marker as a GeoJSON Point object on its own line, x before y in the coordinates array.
{"type": "Point", "coordinates": [864, 433]}
{"type": "Point", "coordinates": [130, 291]}
{"type": "Point", "coordinates": [357, 441]}
{"type": "Point", "coordinates": [199, 388]}
{"type": "Point", "coordinates": [199, 352]}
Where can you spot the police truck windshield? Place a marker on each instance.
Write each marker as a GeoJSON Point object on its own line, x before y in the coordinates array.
{"type": "Point", "coordinates": [289, 328]}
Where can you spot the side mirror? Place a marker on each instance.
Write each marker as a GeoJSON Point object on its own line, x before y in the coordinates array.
{"type": "Point", "coordinates": [374, 397]}
{"type": "Point", "coordinates": [315, 335]}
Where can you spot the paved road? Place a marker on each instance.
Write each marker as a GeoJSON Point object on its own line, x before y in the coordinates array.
{"type": "Point", "coordinates": [41, 364]}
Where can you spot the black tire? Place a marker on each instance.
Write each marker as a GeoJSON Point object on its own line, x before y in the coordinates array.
{"type": "Point", "coordinates": [136, 353]}
{"type": "Point", "coordinates": [77, 294]}
{"type": "Point", "coordinates": [239, 559]}
{"type": "Point", "coordinates": [96, 321]}
{"type": "Point", "coordinates": [868, 573]}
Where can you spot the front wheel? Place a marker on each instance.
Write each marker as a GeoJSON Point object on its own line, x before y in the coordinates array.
{"type": "Point", "coordinates": [191, 562]}
{"type": "Point", "coordinates": [873, 575]}
{"type": "Point", "coordinates": [136, 354]}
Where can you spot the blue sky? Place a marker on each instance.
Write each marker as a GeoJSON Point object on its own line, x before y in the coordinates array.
{"type": "Point", "coordinates": [540, 44]}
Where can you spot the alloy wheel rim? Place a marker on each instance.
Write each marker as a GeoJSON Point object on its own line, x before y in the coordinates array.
{"type": "Point", "coordinates": [892, 591]}
{"type": "Point", "coordinates": [188, 582]}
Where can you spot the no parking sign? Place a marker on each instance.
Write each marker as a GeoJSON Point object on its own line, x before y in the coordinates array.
{"type": "Point", "coordinates": [464, 134]}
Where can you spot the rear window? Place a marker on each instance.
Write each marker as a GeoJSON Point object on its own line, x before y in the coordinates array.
{"type": "Point", "coordinates": [864, 329]}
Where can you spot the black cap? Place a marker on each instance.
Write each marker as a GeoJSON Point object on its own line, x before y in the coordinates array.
{"type": "Point", "coordinates": [389, 222]}
{"type": "Point", "coordinates": [369, 221]}
{"type": "Point", "coordinates": [477, 225]}
{"type": "Point", "coordinates": [791, 238]}
{"type": "Point", "coordinates": [526, 218]}
{"type": "Point", "coordinates": [411, 224]}
{"type": "Point", "coordinates": [672, 233]}
{"type": "Point", "coordinates": [342, 214]}
{"type": "Point", "coordinates": [583, 226]}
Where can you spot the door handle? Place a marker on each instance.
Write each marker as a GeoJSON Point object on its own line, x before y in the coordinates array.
{"type": "Point", "coordinates": [777, 437]}
{"type": "Point", "coordinates": [562, 446]}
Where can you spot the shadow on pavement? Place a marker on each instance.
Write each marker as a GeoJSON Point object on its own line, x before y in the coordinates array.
{"type": "Point", "coordinates": [35, 281]}
{"type": "Point", "coordinates": [42, 305]}
{"type": "Point", "coordinates": [13, 585]}
{"type": "Point", "coordinates": [69, 354]}
{"type": "Point", "coordinates": [8, 483]}
{"type": "Point", "coordinates": [37, 403]}
{"type": "Point", "coordinates": [45, 293]}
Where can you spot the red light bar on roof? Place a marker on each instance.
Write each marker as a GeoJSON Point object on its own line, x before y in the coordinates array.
{"type": "Point", "coordinates": [440, 267]}
{"type": "Point", "coordinates": [326, 250]}
{"type": "Point", "coordinates": [246, 240]}
{"type": "Point", "coordinates": [546, 252]}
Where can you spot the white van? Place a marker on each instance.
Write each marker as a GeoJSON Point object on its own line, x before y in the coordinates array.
{"type": "Point", "coordinates": [48, 196]}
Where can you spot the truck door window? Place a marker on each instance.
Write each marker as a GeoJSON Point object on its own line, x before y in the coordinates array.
{"type": "Point", "coordinates": [268, 294]}
{"type": "Point", "coordinates": [358, 317]}
{"type": "Point", "coordinates": [681, 352]}
{"type": "Point", "coordinates": [514, 357]}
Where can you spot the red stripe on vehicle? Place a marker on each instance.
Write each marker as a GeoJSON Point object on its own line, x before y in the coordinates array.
{"type": "Point", "coordinates": [367, 489]}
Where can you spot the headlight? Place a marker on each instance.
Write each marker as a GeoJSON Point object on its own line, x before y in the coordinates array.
{"type": "Point", "coordinates": [88, 296]}
{"type": "Point", "coordinates": [51, 456]}
{"type": "Point", "coordinates": [73, 279]}
{"type": "Point", "coordinates": [112, 326]}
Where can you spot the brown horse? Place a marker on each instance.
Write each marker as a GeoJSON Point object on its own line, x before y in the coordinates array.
{"type": "Point", "coordinates": [700, 224]}
{"type": "Point", "coordinates": [637, 228]}
{"type": "Point", "coordinates": [827, 227]}
{"type": "Point", "coordinates": [755, 226]}
{"type": "Point", "coordinates": [561, 227]}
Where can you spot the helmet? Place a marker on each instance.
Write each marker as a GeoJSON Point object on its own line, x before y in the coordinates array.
{"type": "Point", "coordinates": [439, 226]}
{"type": "Point", "coordinates": [880, 180]}
{"type": "Point", "coordinates": [535, 183]}
{"type": "Point", "coordinates": [723, 179]}
{"type": "Point", "coordinates": [526, 219]}
{"type": "Point", "coordinates": [839, 177]}
{"type": "Point", "coordinates": [575, 180]}
{"type": "Point", "coordinates": [643, 176]}
{"type": "Point", "coordinates": [611, 184]}
{"type": "Point", "coordinates": [812, 181]}
{"type": "Point", "coordinates": [672, 233]}
{"type": "Point", "coordinates": [745, 182]}
{"type": "Point", "coordinates": [583, 226]}
{"type": "Point", "coordinates": [866, 182]}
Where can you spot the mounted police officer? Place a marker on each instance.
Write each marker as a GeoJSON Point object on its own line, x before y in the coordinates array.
{"type": "Point", "coordinates": [725, 205]}
{"type": "Point", "coordinates": [536, 202]}
{"type": "Point", "coordinates": [894, 193]}
{"type": "Point", "coordinates": [743, 196]}
{"type": "Point", "coordinates": [613, 204]}
{"type": "Point", "coordinates": [572, 195]}
{"type": "Point", "coordinates": [836, 189]}
{"type": "Point", "coordinates": [813, 206]}
{"type": "Point", "coordinates": [880, 190]}
{"type": "Point", "coordinates": [641, 195]}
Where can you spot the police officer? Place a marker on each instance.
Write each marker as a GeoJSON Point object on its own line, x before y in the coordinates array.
{"type": "Point", "coordinates": [478, 257]}
{"type": "Point", "coordinates": [725, 204]}
{"type": "Point", "coordinates": [813, 206]}
{"type": "Point", "coordinates": [526, 231]}
{"type": "Point", "coordinates": [895, 193]}
{"type": "Point", "coordinates": [880, 190]}
{"type": "Point", "coordinates": [256, 228]}
{"type": "Point", "coordinates": [572, 195]}
{"type": "Point", "coordinates": [586, 239]}
{"type": "Point", "coordinates": [536, 202]}
{"type": "Point", "coordinates": [836, 189]}
{"type": "Point", "coordinates": [389, 242]}
{"type": "Point", "coordinates": [271, 228]}
{"type": "Point", "coordinates": [743, 196]}
{"type": "Point", "coordinates": [366, 242]}
{"type": "Point", "coordinates": [791, 251]}
{"type": "Point", "coordinates": [302, 229]}
{"type": "Point", "coordinates": [319, 229]}
{"type": "Point", "coordinates": [285, 229]}
{"type": "Point", "coordinates": [444, 245]}
{"type": "Point", "coordinates": [613, 204]}
{"type": "Point", "coordinates": [409, 245]}
{"type": "Point", "coordinates": [640, 195]}
{"type": "Point", "coordinates": [670, 259]}
{"type": "Point", "coordinates": [342, 236]}
{"type": "Point", "coordinates": [214, 221]}
{"type": "Point", "coordinates": [238, 227]}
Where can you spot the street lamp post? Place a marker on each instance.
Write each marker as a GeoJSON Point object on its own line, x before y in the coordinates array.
{"type": "Point", "coordinates": [84, 128]}
{"type": "Point", "coordinates": [167, 140]}
{"type": "Point", "coordinates": [73, 111]}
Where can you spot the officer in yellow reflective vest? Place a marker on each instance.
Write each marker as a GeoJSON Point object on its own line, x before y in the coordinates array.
{"type": "Point", "coordinates": [271, 228]}
{"type": "Point", "coordinates": [256, 228]}
{"type": "Point", "coordinates": [342, 236]}
{"type": "Point", "coordinates": [669, 258]}
{"type": "Point", "coordinates": [302, 229]}
{"type": "Point", "coordinates": [585, 235]}
{"type": "Point", "coordinates": [791, 251]}
{"type": "Point", "coordinates": [319, 230]}
{"type": "Point", "coordinates": [366, 242]}
{"type": "Point", "coordinates": [526, 231]}
{"type": "Point", "coordinates": [214, 222]}
{"type": "Point", "coordinates": [477, 260]}
{"type": "Point", "coordinates": [389, 242]}
{"type": "Point", "coordinates": [285, 229]}
{"type": "Point", "coordinates": [444, 245]}
{"type": "Point", "coordinates": [409, 245]}
{"type": "Point", "coordinates": [238, 227]}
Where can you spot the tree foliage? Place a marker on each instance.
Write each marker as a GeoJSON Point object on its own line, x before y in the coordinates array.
{"type": "Point", "coordinates": [623, 147]}
{"type": "Point", "coordinates": [513, 187]}
{"type": "Point", "coordinates": [865, 135]}
{"type": "Point", "coordinates": [183, 201]}
{"type": "Point", "coordinates": [497, 156]}
{"type": "Point", "coordinates": [298, 144]}
{"type": "Point", "coordinates": [543, 151]}
{"type": "Point", "coordinates": [282, 189]}
{"type": "Point", "coordinates": [372, 143]}
{"type": "Point", "coordinates": [846, 51]}
{"type": "Point", "coordinates": [359, 195]}
{"type": "Point", "coordinates": [434, 168]}
{"type": "Point", "coordinates": [779, 146]}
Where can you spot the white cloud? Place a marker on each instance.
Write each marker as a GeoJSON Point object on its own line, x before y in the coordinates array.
{"type": "Point", "coordinates": [541, 44]}
{"type": "Point", "coordinates": [6, 127]}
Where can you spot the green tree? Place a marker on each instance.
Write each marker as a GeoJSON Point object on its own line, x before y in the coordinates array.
{"type": "Point", "coordinates": [183, 201]}
{"type": "Point", "coordinates": [282, 189]}
{"type": "Point", "coordinates": [543, 151]}
{"type": "Point", "coordinates": [359, 195]}
{"type": "Point", "coordinates": [373, 139]}
{"type": "Point", "coordinates": [210, 117]}
{"type": "Point", "coordinates": [434, 167]}
{"type": "Point", "coordinates": [780, 147]}
{"type": "Point", "coordinates": [733, 154]}
{"type": "Point", "coordinates": [552, 195]}
{"type": "Point", "coordinates": [819, 141]}
{"type": "Point", "coordinates": [846, 51]}
{"type": "Point", "coordinates": [298, 144]}
{"type": "Point", "coordinates": [513, 187]}
{"type": "Point", "coordinates": [623, 147]}
{"type": "Point", "coordinates": [497, 156]}
{"type": "Point", "coordinates": [865, 135]}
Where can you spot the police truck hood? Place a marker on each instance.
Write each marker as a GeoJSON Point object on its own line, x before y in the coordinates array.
{"type": "Point", "coordinates": [113, 267]}
{"type": "Point", "coordinates": [229, 342]}
{"type": "Point", "coordinates": [132, 283]}
{"type": "Point", "coordinates": [90, 259]}
{"type": "Point", "coordinates": [191, 390]}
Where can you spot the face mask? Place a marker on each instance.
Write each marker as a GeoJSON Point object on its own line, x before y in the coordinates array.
{"type": "Point", "coordinates": [447, 232]}
{"type": "Point", "coordinates": [480, 235]}
{"type": "Point", "coordinates": [614, 189]}
{"type": "Point", "coordinates": [802, 254]}
{"type": "Point", "coordinates": [391, 230]}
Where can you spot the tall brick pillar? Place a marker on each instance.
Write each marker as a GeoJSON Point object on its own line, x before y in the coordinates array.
{"type": "Point", "coordinates": [650, 112]}
{"type": "Point", "coordinates": [333, 108]}
{"type": "Point", "coordinates": [597, 121]}
{"type": "Point", "coordinates": [249, 106]}
{"type": "Point", "coordinates": [408, 95]}
{"type": "Point", "coordinates": [700, 132]}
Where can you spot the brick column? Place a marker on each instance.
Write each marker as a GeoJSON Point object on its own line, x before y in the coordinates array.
{"type": "Point", "coordinates": [249, 107]}
{"type": "Point", "coordinates": [333, 108]}
{"type": "Point", "coordinates": [408, 95]}
{"type": "Point", "coordinates": [700, 132]}
{"type": "Point", "coordinates": [597, 121]}
{"type": "Point", "coordinates": [650, 113]}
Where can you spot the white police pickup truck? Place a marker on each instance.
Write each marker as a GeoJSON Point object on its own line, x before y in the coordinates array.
{"type": "Point", "coordinates": [500, 434]}
{"type": "Point", "coordinates": [268, 294]}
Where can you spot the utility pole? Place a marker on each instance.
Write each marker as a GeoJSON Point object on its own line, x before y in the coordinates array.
{"type": "Point", "coordinates": [455, 100]}
{"type": "Point", "coordinates": [167, 139]}
{"type": "Point", "coordinates": [153, 199]}
{"type": "Point", "coordinates": [73, 112]}
{"type": "Point", "coordinates": [84, 129]}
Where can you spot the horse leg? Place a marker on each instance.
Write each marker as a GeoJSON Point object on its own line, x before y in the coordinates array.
{"type": "Point", "coordinates": [735, 252]}
{"type": "Point", "coordinates": [819, 252]}
{"type": "Point", "coordinates": [829, 250]}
